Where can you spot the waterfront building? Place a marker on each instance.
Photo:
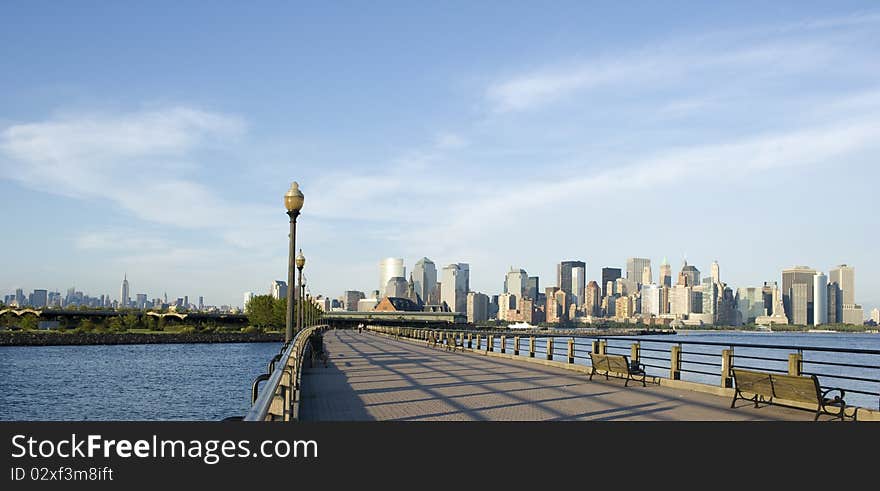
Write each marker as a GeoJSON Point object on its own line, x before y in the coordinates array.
{"type": "Point", "coordinates": [689, 275]}
{"type": "Point", "coordinates": [664, 299]}
{"type": "Point", "coordinates": [507, 305]}
{"type": "Point", "coordinates": [396, 287]}
{"type": "Point", "coordinates": [367, 304]}
{"type": "Point", "coordinates": [767, 291]}
{"type": "Point", "coordinates": [853, 314]}
{"type": "Point", "coordinates": [845, 277]}
{"type": "Point", "coordinates": [820, 299]}
{"type": "Point", "coordinates": [532, 287]}
{"type": "Point", "coordinates": [424, 276]}
{"type": "Point", "coordinates": [646, 276]}
{"type": "Point", "coordinates": [680, 300]}
{"type": "Point", "coordinates": [711, 292]}
{"type": "Point", "coordinates": [623, 308]}
{"type": "Point", "coordinates": [571, 278]}
{"type": "Point", "coordinates": [835, 304]}
{"type": "Point", "coordinates": [750, 304]}
{"type": "Point", "coordinates": [802, 314]}
{"type": "Point", "coordinates": [557, 304]}
{"type": "Point", "coordinates": [516, 282]}
{"type": "Point", "coordinates": [609, 275]}
{"type": "Point", "coordinates": [141, 301]}
{"type": "Point", "coordinates": [635, 268]}
{"type": "Point", "coordinates": [592, 304]}
{"type": "Point", "coordinates": [800, 304]}
{"type": "Point", "coordinates": [778, 311]}
{"type": "Point", "coordinates": [351, 299]}
{"type": "Point", "coordinates": [716, 272]}
{"type": "Point", "coordinates": [39, 299]}
{"type": "Point", "coordinates": [651, 299]}
{"type": "Point", "coordinates": [875, 315]}
{"type": "Point", "coordinates": [278, 290]}
{"type": "Point", "coordinates": [454, 287]}
{"type": "Point", "coordinates": [390, 267]}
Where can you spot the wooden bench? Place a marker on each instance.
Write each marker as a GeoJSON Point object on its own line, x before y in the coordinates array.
{"type": "Point", "coordinates": [619, 365]}
{"type": "Point", "coordinates": [765, 387]}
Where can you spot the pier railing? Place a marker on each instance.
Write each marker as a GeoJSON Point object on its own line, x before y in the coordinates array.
{"type": "Point", "coordinates": [278, 399]}
{"type": "Point", "coordinates": [857, 371]}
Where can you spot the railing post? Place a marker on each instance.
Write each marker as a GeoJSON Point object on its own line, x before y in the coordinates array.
{"type": "Point", "coordinates": [479, 345]}
{"type": "Point", "coordinates": [726, 365]}
{"type": "Point", "coordinates": [635, 352]}
{"type": "Point", "coordinates": [603, 347]}
{"type": "Point", "coordinates": [675, 363]}
{"type": "Point", "coordinates": [461, 338]}
{"type": "Point", "coordinates": [490, 343]}
{"type": "Point", "coordinates": [516, 345]}
{"type": "Point", "coordinates": [531, 346]}
{"type": "Point", "coordinates": [549, 348]}
{"type": "Point", "coordinates": [594, 347]}
{"type": "Point", "coordinates": [503, 342]}
{"type": "Point", "coordinates": [794, 363]}
{"type": "Point", "coordinates": [470, 340]}
{"type": "Point", "coordinates": [571, 350]}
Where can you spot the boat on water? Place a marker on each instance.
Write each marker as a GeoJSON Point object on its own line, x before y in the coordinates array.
{"type": "Point", "coordinates": [521, 325]}
{"type": "Point", "coordinates": [820, 330]}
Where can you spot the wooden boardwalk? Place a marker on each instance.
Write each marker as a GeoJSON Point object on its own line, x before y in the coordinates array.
{"type": "Point", "coordinates": [374, 377]}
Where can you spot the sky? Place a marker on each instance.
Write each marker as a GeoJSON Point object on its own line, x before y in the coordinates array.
{"type": "Point", "coordinates": [156, 140]}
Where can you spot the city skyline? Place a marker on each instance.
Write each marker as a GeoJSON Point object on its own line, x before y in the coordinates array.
{"type": "Point", "coordinates": [586, 134]}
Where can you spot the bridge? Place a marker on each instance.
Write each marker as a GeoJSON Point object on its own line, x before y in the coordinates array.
{"type": "Point", "coordinates": [407, 374]}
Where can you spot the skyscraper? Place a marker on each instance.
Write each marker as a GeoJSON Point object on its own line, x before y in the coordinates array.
{"type": "Point", "coordinates": [40, 298]}
{"type": "Point", "coordinates": [646, 276]}
{"type": "Point", "coordinates": [454, 287]}
{"type": "Point", "coordinates": [651, 300]}
{"type": "Point", "coordinates": [389, 268]}
{"type": "Point", "coordinates": [396, 287]}
{"type": "Point", "coordinates": [635, 268]}
{"type": "Point", "coordinates": [665, 274]}
{"type": "Point", "coordinates": [246, 298]}
{"type": "Point", "coordinates": [351, 298]}
{"type": "Point", "coordinates": [820, 299]}
{"type": "Point", "coordinates": [592, 299]}
{"type": "Point", "coordinates": [835, 307]}
{"type": "Point", "coordinates": [689, 275]}
{"type": "Point", "coordinates": [845, 277]}
{"type": "Point", "coordinates": [571, 278]}
{"type": "Point", "coordinates": [516, 282]}
{"type": "Point", "coordinates": [609, 274]}
{"type": "Point", "coordinates": [477, 307]}
{"type": "Point", "coordinates": [799, 301]}
{"type": "Point", "coordinates": [716, 272]}
{"type": "Point", "coordinates": [790, 278]}
{"type": "Point", "coordinates": [278, 290]}
{"type": "Point", "coordinates": [124, 297]}
{"type": "Point", "coordinates": [750, 304]}
{"type": "Point", "coordinates": [425, 278]}
{"type": "Point", "coordinates": [532, 287]}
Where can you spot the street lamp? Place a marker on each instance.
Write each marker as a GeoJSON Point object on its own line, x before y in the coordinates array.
{"type": "Point", "coordinates": [293, 201]}
{"type": "Point", "coordinates": [300, 262]}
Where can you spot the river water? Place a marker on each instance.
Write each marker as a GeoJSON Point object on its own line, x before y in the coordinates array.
{"type": "Point", "coordinates": [213, 381]}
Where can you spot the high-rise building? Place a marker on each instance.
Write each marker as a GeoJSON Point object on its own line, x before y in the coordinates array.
{"type": "Point", "coordinates": [799, 303]}
{"type": "Point", "coordinates": [790, 277]}
{"type": "Point", "coordinates": [623, 307]}
{"type": "Point", "coordinates": [664, 299]}
{"type": "Point", "coordinates": [278, 290]}
{"type": "Point", "coordinates": [646, 276]}
{"type": "Point", "coordinates": [477, 307]}
{"type": "Point", "coordinates": [689, 275]}
{"type": "Point", "coordinates": [726, 311]}
{"type": "Point", "coordinates": [516, 282]}
{"type": "Point", "coordinates": [835, 304]}
{"type": "Point", "coordinates": [248, 296]}
{"type": "Point", "coordinates": [875, 315]}
{"type": "Point", "coordinates": [454, 287]}
{"type": "Point", "coordinates": [820, 299]}
{"type": "Point", "coordinates": [425, 279]}
{"type": "Point", "coordinates": [665, 274]}
{"type": "Point", "coordinates": [709, 302]}
{"type": "Point", "coordinates": [635, 268]}
{"type": "Point", "coordinates": [769, 289]}
{"type": "Point", "coordinates": [140, 301]}
{"type": "Point", "coordinates": [389, 268]}
{"type": "Point", "coordinates": [716, 272]}
{"type": "Point", "coordinates": [532, 287]}
{"type": "Point", "coordinates": [680, 300]}
{"type": "Point", "coordinates": [609, 275]}
{"type": "Point", "coordinates": [853, 314]}
{"type": "Point", "coordinates": [571, 278]}
{"type": "Point", "coordinates": [507, 306]}
{"type": "Point", "coordinates": [201, 302]}
{"type": "Point", "coordinates": [39, 299]}
{"type": "Point", "coordinates": [845, 277]}
{"type": "Point", "coordinates": [396, 287]}
{"type": "Point", "coordinates": [124, 297]}
{"type": "Point", "coordinates": [651, 300]}
{"type": "Point", "coordinates": [592, 303]}
{"type": "Point", "coordinates": [351, 299]}
{"type": "Point", "coordinates": [750, 304]}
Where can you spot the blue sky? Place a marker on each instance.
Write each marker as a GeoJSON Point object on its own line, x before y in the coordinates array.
{"type": "Point", "coordinates": [157, 140]}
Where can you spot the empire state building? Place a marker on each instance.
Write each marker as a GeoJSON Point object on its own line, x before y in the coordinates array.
{"type": "Point", "coordinates": [124, 297]}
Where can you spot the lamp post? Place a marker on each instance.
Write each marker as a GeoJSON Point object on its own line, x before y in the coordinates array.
{"type": "Point", "coordinates": [300, 262]}
{"type": "Point", "coordinates": [293, 201]}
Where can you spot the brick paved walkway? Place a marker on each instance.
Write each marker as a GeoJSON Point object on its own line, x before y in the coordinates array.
{"type": "Point", "coordinates": [373, 377]}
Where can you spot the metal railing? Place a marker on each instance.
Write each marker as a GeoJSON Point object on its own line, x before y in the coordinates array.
{"type": "Point", "coordinates": [705, 362]}
{"type": "Point", "coordinates": [279, 398]}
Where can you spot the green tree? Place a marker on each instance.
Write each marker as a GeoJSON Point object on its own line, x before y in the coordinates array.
{"type": "Point", "coordinates": [86, 325]}
{"type": "Point", "coordinates": [260, 311]}
{"type": "Point", "coordinates": [115, 325]}
{"type": "Point", "coordinates": [131, 321]}
{"type": "Point", "coordinates": [27, 323]}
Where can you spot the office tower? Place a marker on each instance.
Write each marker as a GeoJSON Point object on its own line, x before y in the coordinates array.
{"type": "Point", "coordinates": [689, 275]}
{"type": "Point", "coordinates": [621, 287]}
{"type": "Point", "coordinates": [750, 304]}
{"type": "Point", "coordinates": [592, 303]}
{"type": "Point", "coordinates": [124, 298]}
{"type": "Point", "coordinates": [424, 277]}
{"type": "Point", "coordinates": [532, 287]}
{"type": "Point", "coordinates": [709, 302]}
{"type": "Point", "coordinates": [635, 267]}
{"type": "Point", "coordinates": [853, 314]}
{"type": "Point", "coordinates": [664, 299]}
{"type": "Point", "coordinates": [875, 315]}
{"type": "Point", "coordinates": [651, 300]}
{"type": "Point", "coordinates": [389, 268]}
{"type": "Point", "coordinates": [351, 299]}
{"type": "Point", "coordinates": [477, 307]}
{"type": "Point", "coordinates": [665, 274]}
{"type": "Point", "coordinates": [716, 272]}
{"type": "Point", "coordinates": [465, 270]}
{"type": "Point", "coordinates": [799, 301]}
{"type": "Point", "coordinates": [623, 308]}
{"type": "Point", "coordinates": [767, 292]}
{"type": "Point", "coordinates": [835, 305]}
{"type": "Point", "coordinates": [19, 297]}
{"type": "Point", "coordinates": [609, 274]}
{"type": "Point", "coordinates": [454, 288]}
{"type": "Point", "coordinates": [367, 304]}
{"type": "Point", "coordinates": [820, 299]}
{"type": "Point", "coordinates": [697, 300]}
{"type": "Point", "coordinates": [790, 277]}
{"type": "Point", "coordinates": [726, 311]}
{"type": "Point", "coordinates": [201, 302]}
{"type": "Point", "coordinates": [247, 297]}
{"type": "Point", "coordinates": [186, 301]}
{"type": "Point", "coordinates": [845, 277]}
{"type": "Point", "coordinates": [680, 300]}
{"type": "Point", "coordinates": [516, 282]}
{"type": "Point", "coordinates": [278, 290]}
{"type": "Point", "coordinates": [493, 307]}
{"type": "Point", "coordinates": [140, 301]}
{"type": "Point", "coordinates": [646, 276]}
{"type": "Point", "coordinates": [507, 307]}
{"type": "Point", "coordinates": [39, 299]}
{"type": "Point", "coordinates": [396, 287]}
{"type": "Point", "coordinates": [571, 278]}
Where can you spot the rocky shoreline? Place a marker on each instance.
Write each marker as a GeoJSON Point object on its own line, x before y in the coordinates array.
{"type": "Point", "coordinates": [82, 339]}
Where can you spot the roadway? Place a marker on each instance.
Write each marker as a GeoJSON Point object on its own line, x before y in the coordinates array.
{"type": "Point", "coordinates": [374, 377]}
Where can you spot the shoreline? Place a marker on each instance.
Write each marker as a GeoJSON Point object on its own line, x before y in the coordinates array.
{"type": "Point", "coordinates": [92, 339]}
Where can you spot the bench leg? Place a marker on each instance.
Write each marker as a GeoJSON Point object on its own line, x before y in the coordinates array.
{"type": "Point", "coordinates": [592, 371]}
{"type": "Point", "coordinates": [626, 384]}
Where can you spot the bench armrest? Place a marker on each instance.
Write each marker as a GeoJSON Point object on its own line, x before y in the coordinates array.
{"type": "Point", "coordinates": [837, 397]}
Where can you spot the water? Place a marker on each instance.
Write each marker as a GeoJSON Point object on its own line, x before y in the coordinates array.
{"type": "Point", "coordinates": [130, 382]}
{"type": "Point", "coordinates": [701, 358]}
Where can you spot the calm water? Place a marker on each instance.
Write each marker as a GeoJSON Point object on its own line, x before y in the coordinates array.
{"type": "Point", "coordinates": [130, 382]}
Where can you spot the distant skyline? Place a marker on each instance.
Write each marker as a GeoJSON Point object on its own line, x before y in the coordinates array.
{"type": "Point", "coordinates": [159, 139]}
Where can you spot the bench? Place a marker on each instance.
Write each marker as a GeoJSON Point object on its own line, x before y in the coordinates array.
{"type": "Point", "coordinates": [618, 365]}
{"type": "Point", "coordinates": [765, 387]}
